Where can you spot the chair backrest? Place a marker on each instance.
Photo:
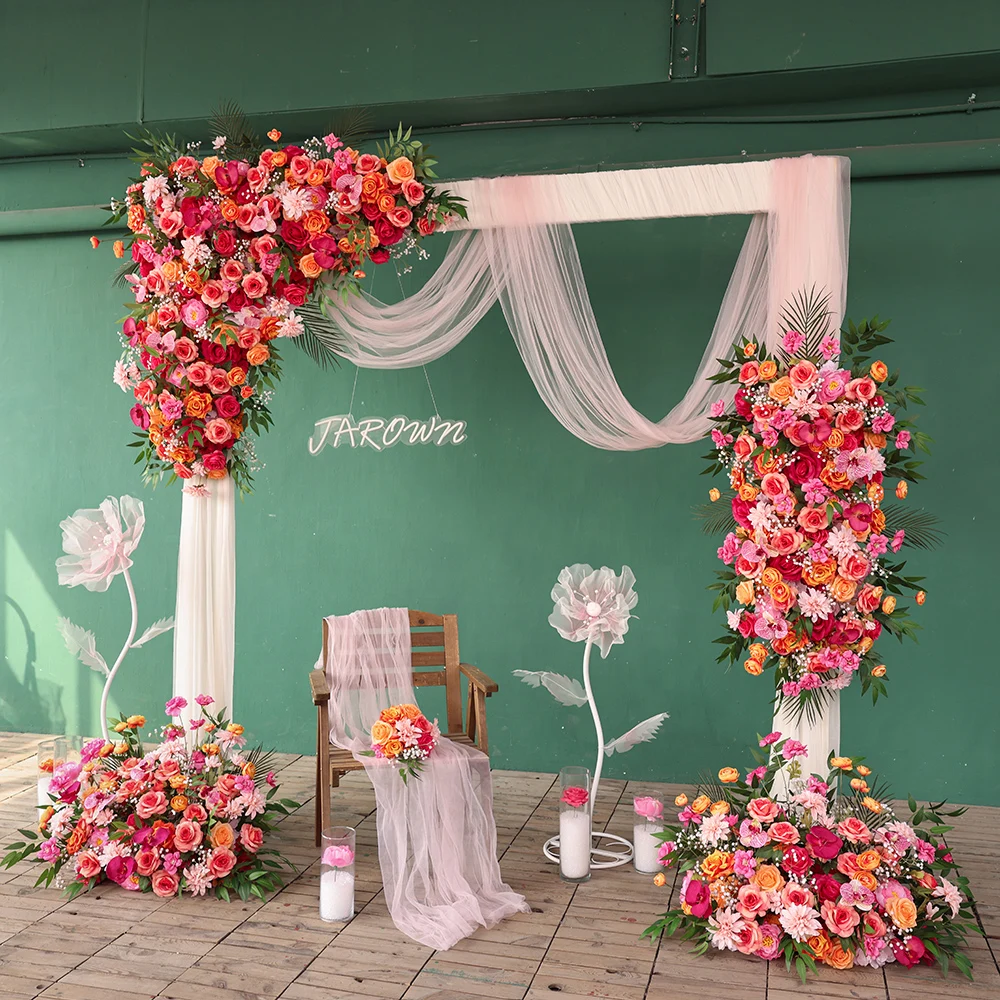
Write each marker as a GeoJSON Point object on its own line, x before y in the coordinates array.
{"type": "Point", "coordinates": [435, 645]}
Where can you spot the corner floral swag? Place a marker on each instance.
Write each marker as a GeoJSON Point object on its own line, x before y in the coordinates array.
{"type": "Point", "coordinates": [832, 877]}
{"type": "Point", "coordinates": [189, 815]}
{"type": "Point", "coordinates": [227, 251]}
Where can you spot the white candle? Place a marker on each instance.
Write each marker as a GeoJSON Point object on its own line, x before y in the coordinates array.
{"type": "Point", "coordinates": [645, 846]}
{"type": "Point", "coordinates": [336, 895]}
{"type": "Point", "coordinates": [574, 843]}
{"type": "Point", "coordinates": [43, 790]}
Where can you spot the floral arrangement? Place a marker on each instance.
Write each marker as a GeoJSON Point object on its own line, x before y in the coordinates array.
{"type": "Point", "coordinates": [403, 736]}
{"type": "Point", "coordinates": [808, 445]}
{"type": "Point", "coordinates": [227, 250]}
{"type": "Point", "coordinates": [188, 816]}
{"type": "Point", "coordinates": [827, 878]}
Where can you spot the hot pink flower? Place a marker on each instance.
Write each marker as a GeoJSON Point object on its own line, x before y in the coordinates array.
{"type": "Point", "coordinates": [175, 706]}
{"type": "Point", "coordinates": [575, 797]}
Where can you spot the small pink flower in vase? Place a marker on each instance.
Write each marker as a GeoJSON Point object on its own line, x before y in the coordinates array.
{"type": "Point", "coordinates": [648, 808]}
{"type": "Point", "coordinates": [338, 856]}
{"type": "Point", "coordinates": [575, 797]}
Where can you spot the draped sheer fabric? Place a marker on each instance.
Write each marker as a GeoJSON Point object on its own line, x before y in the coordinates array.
{"type": "Point", "coordinates": [437, 839]}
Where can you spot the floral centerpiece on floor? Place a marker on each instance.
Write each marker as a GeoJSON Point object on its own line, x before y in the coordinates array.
{"type": "Point", "coordinates": [188, 816]}
{"type": "Point", "coordinates": [227, 250]}
{"type": "Point", "coordinates": [403, 736]}
{"type": "Point", "coordinates": [813, 435]}
{"type": "Point", "coordinates": [833, 877]}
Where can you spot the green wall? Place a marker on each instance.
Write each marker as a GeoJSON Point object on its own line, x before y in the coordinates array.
{"type": "Point", "coordinates": [483, 529]}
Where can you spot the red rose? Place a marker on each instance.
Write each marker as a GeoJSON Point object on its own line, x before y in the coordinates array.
{"type": "Point", "coordinates": [796, 861]}
{"type": "Point", "coordinates": [379, 255]}
{"type": "Point", "coordinates": [909, 954]}
{"type": "Point", "coordinates": [788, 568]}
{"type": "Point", "coordinates": [699, 898]}
{"type": "Point", "coordinates": [804, 466]}
{"type": "Point", "coordinates": [748, 621]}
{"type": "Point", "coordinates": [824, 844]}
{"type": "Point", "coordinates": [295, 295]}
{"type": "Point", "coordinates": [742, 405]}
{"type": "Point", "coordinates": [214, 461]}
{"type": "Point", "coordinates": [370, 211]}
{"type": "Point", "coordinates": [227, 406]}
{"type": "Point", "coordinates": [851, 441]}
{"type": "Point", "coordinates": [211, 351]}
{"type": "Point", "coordinates": [821, 629]}
{"type": "Point", "coordinates": [827, 887]}
{"type": "Point", "coordinates": [741, 508]}
{"type": "Point", "coordinates": [294, 234]}
{"type": "Point", "coordinates": [224, 242]}
{"type": "Point", "coordinates": [387, 233]}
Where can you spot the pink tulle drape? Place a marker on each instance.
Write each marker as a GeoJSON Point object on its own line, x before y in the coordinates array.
{"type": "Point", "coordinates": [437, 839]}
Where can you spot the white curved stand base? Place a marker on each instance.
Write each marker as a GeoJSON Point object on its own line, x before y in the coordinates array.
{"type": "Point", "coordinates": [599, 857]}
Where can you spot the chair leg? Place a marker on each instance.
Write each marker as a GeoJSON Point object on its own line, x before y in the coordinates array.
{"type": "Point", "coordinates": [483, 742]}
{"type": "Point", "coordinates": [470, 715]}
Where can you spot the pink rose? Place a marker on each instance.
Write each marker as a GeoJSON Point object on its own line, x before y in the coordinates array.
{"type": "Point", "coordinates": [413, 192]}
{"type": "Point", "coordinates": [221, 862]}
{"type": "Point", "coordinates": [165, 884]}
{"type": "Point", "coordinates": [850, 420]}
{"type": "Point", "coordinates": [796, 895]}
{"type": "Point", "coordinates": [773, 485]}
{"type": "Point", "coordinates": [185, 349]}
{"type": "Point", "coordinates": [218, 381]}
{"type": "Point", "coordinates": [840, 918]}
{"type": "Point", "coordinates": [147, 860]}
{"type": "Point", "coordinates": [251, 837]}
{"type": "Point", "coordinates": [151, 804]}
{"type": "Point", "coordinates": [744, 445]}
{"type": "Point", "coordinates": [218, 431]}
{"type": "Point", "coordinates": [231, 270]}
{"type": "Point", "coordinates": [227, 406]}
{"type": "Point", "coordinates": [214, 294]}
{"type": "Point", "coordinates": [247, 338]}
{"type": "Point", "coordinates": [785, 541]}
{"type": "Point", "coordinates": [749, 372]}
{"type": "Point", "coordinates": [854, 830]}
{"type": "Point", "coordinates": [854, 567]}
{"type": "Point", "coordinates": [171, 223]}
{"type": "Point", "coordinates": [575, 797]}
{"type": "Point", "coordinates": [87, 865]}
{"type": "Point", "coordinates": [869, 599]}
{"type": "Point", "coordinates": [400, 216]}
{"type": "Point", "coordinates": [752, 903]}
{"type": "Point", "coordinates": [426, 226]}
{"type": "Point", "coordinates": [196, 813]}
{"type": "Point", "coordinates": [254, 284]}
{"type": "Point", "coordinates": [783, 833]}
{"type": "Point", "coordinates": [861, 388]}
{"type": "Point", "coordinates": [214, 461]}
{"type": "Point", "coordinates": [168, 316]}
{"type": "Point", "coordinates": [749, 938]}
{"type": "Point", "coordinates": [803, 374]}
{"type": "Point", "coordinates": [187, 835]}
{"type": "Point", "coordinates": [648, 807]}
{"type": "Point", "coordinates": [813, 519]}
{"type": "Point", "coordinates": [763, 810]}
{"type": "Point", "coordinates": [199, 373]}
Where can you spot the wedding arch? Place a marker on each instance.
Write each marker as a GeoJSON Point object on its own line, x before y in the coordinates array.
{"type": "Point", "coordinates": [517, 247]}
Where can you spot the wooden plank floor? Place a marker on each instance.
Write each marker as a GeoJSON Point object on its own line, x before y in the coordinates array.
{"type": "Point", "coordinates": [578, 941]}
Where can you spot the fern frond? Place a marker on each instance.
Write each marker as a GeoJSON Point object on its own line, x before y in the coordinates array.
{"type": "Point", "coordinates": [242, 141]}
{"type": "Point", "coordinates": [310, 344]}
{"type": "Point", "coordinates": [351, 125]}
{"type": "Point", "coordinates": [321, 329]}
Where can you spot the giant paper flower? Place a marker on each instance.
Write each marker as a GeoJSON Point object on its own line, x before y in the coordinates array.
{"type": "Point", "coordinates": [593, 604]}
{"type": "Point", "coordinates": [97, 545]}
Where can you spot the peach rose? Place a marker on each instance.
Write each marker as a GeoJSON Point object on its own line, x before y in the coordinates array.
{"type": "Point", "coordinates": [903, 912]}
{"type": "Point", "coordinates": [727, 776]}
{"type": "Point", "coordinates": [381, 731]}
{"type": "Point", "coordinates": [744, 592]}
{"type": "Point", "coordinates": [222, 835]}
{"type": "Point", "coordinates": [803, 374]}
{"type": "Point", "coordinates": [797, 895]}
{"type": "Point", "coordinates": [820, 946]}
{"type": "Point", "coordinates": [878, 371]}
{"type": "Point", "coordinates": [700, 804]}
{"type": "Point", "coordinates": [785, 541]}
{"type": "Point", "coordinates": [842, 590]}
{"type": "Point", "coordinates": [813, 518]}
{"type": "Point", "coordinates": [218, 431]}
{"type": "Point", "coordinates": [854, 567]}
{"type": "Point", "coordinates": [309, 267]}
{"type": "Point", "coordinates": [744, 445]}
{"type": "Point", "coordinates": [868, 599]}
{"type": "Point", "coordinates": [251, 838]}
{"type": "Point", "coordinates": [838, 958]}
{"type": "Point", "coordinates": [782, 390]}
{"type": "Point", "coordinates": [187, 835]}
{"type": "Point", "coordinates": [748, 492]}
{"type": "Point", "coordinates": [770, 577]}
{"type": "Point", "coordinates": [147, 860]}
{"type": "Point", "coordinates": [869, 860]}
{"type": "Point", "coordinates": [752, 902]}
{"type": "Point", "coordinates": [721, 808]}
{"type": "Point", "coordinates": [763, 810]}
{"type": "Point", "coordinates": [87, 865]}
{"type": "Point", "coordinates": [768, 369]}
{"type": "Point", "coordinates": [221, 862]}
{"type": "Point", "coordinates": [749, 373]}
{"type": "Point", "coordinates": [840, 918]}
{"type": "Point", "coordinates": [151, 804]}
{"type": "Point", "coordinates": [783, 833]}
{"type": "Point", "coordinates": [782, 596]}
{"type": "Point", "coordinates": [861, 388]}
{"type": "Point", "coordinates": [254, 284]}
{"type": "Point", "coordinates": [774, 484]}
{"type": "Point", "coordinates": [768, 878]}
{"type": "Point", "coordinates": [164, 884]}
{"type": "Point", "coordinates": [400, 170]}
{"type": "Point", "coordinates": [753, 667]}
{"type": "Point", "coordinates": [889, 605]}
{"type": "Point", "coordinates": [258, 354]}
{"type": "Point", "coordinates": [854, 830]}
{"type": "Point", "coordinates": [392, 748]}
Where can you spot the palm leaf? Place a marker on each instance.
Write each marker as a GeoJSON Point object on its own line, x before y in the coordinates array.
{"type": "Point", "coordinates": [811, 709]}
{"type": "Point", "coordinates": [120, 280]}
{"type": "Point", "coordinates": [919, 525]}
{"type": "Point", "coordinates": [808, 313]}
{"type": "Point", "coordinates": [262, 760]}
{"type": "Point", "coordinates": [242, 141]}
{"type": "Point", "coordinates": [321, 329]}
{"type": "Point", "coordinates": [309, 343]}
{"type": "Point", "coordinates": [351, 125]}
{"type": "Point", "coordinates": [716, 518]}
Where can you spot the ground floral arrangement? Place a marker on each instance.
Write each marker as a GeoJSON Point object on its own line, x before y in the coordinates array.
{"type": "Point", "coordinates": [188, 816]}
{"type": "Point", "coordinates": [227, 251]}
{"type": "Point", "coordinates": [808, 446]}
{"type": "Point", "coordinates": [831, 877]}
{"type": "Point", "coordinates": [403, 736]}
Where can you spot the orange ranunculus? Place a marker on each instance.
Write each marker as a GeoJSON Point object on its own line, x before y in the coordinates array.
{"type": "Point", "coordinates": [863, 771]}
{"type": "Point", "coordinates": [836, 438]}
{"type": "Point", "coordinates": [878, 371]}
{"type": "Point", "coordinates": [753, 667]}
{"type": "Point", "coordinates": [902, 488]}
{"type": "Point", "coordinates": [903, 912]}
{"type": "Point", "coordinates": [770, 577]}
{"type": "Point", "coordinates": [782, 390]}
{"type": "Point", "coordinates": [873, 440]}
{"type": "Point", "coordinates": [78, 838]}
{"type": "Point", "coordinates": [842, 590]}
{"type": "Point", "coordinates": [309, 267]}
{"type": "Point", "coordinates": [197, 404]}
{"type": "Point", "coordinates": [889, 605]}
{"type": "Point", "coordinates": [768, 878]}
{"type": "Point", "coordinates": [749, 349]}
{"type": "Point", "coordinates": [392, 748]}
{"type": "Point", "coordinates": [758, 651]}
{"type": "Point", "coordinates": [659, 880]}
{"type": "Point", "coordinates": [258, 354]}
{"type": "Point", "coordinates": [728, 775]}
{"type": "Point", "coordinates": [768, 369]}
{"type": "Point", "coordinates": [222, 835]}
{"type": "Point", "coordinates": [867, 879]}
{"type": "Point", "coordinates": [748, 492]}
{"type": "Point", "coordinates": [136, 217]}
{"type": "Point", "coordinates": [920, 596]}
{"type": "Point", "coordinates": [681, 800]}
{"type": "Point", "coordinates": [717, 865]}
{"type": "Point", "coordinates": [194, 281]}
{"type": "Point", "coordinates": [859, 785]}
{"type": "Point", "coordinates": [381, 731]}
{"type": "Point", "coordinates": [838, 957]}
{"type": "Point", "coordinates": [316, 222]}
{"type": "Point", "coordinates": [819, 574]}
{"type": "Point", "coordinates": [119, 249]}
{"type": "Point", "coordinates": [249, 769]}
{"type": "Point", "coordinates": [866, 643]}
{"type": "Point", "coordinates": [179, 803]}
{"type": "Point", "coordinates": [744, 592]}
{"type": "Point", "coordinates": [843, 763]}
{"type": "Point", "coordinates": [834, 479]}
{"type": "Point", "coordinates": [700, 804]}
{"type": "Point", "coordinates": [721, 808]}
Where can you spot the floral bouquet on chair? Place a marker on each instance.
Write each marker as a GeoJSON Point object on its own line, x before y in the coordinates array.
{"type": "Point", "coordinates": [828, 878]}
{"type": "Point", "coordinates": [185, 816]}
{"type": "Point", "coordinates": [403, 735]}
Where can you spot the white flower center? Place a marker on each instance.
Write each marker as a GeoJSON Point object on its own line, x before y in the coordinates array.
{"type": "Point", "coordinates": [593, 609]}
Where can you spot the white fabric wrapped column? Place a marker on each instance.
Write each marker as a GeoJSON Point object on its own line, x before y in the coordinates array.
{"type": "Point", "coordinates": [205, 619]}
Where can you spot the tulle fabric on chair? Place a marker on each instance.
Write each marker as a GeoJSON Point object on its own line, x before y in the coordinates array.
{"type": "Point", "coordinates": [437, 839]}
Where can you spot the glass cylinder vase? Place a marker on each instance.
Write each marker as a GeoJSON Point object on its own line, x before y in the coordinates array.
{"type": "Point", "coordinates": [574, 824]}
{"type": "Point", "coordinates": [646, 824]}
{"type": "Point", "coordinates": [49, 755]}
{"type": "Point", "coordinates": [336, 880]}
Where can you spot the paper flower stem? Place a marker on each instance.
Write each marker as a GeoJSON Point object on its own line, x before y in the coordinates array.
{"type": "Point", "coordinates": [597, 724]}
{"type": "Point", "coordinates": [121, 656]}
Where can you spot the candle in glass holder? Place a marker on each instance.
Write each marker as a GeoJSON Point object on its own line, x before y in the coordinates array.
{"type": "Point", "coordinates": [574, 824]}
{"type": "Point", "coordinates": [49, 755]}
{"type": "Point", "coordinates": [647, 823]}
{"type": "Point", "coordinates": [336, 880]}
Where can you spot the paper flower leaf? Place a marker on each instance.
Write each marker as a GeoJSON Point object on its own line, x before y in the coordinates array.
{"type": "Point", "coordinates": [157, 628]}
{"type": "Point", "coordinates": [566, 690]}
{"type": "Point", "coordinates": [82, 643]}
{"type": "Point", "coordinates": [641, 733]}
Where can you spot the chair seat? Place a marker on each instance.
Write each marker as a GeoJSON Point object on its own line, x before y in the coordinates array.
{"type": "Point", "coordinates": [343, 760]}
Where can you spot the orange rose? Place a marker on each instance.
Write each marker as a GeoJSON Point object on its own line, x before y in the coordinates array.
{"type": "Point", "coordinates": [782, 390]}
{"type": "Point", "coordinates": [720, 808]}
{"type": "Point", "coordinates": [268, 328]}
{"type": "Point", "coordinates": [838, 958]}
{"type": "Point", "coordinates": [222, 835]}
{"type": "Point", "coordinates": [875, 492]}
{"type": "Point", "coordinates": [194, 281]}
{"type": "Point", "coordinates": [309, 267]}
{"type": "Point", "coordinates": [393, 748]}
{"type": "Point", "coordinates": [316, 222]}
{"type": "Point", "coordinates": [400, 170]}
{"type": "Point", "coordinates": [748, 492]}
{"type": "Point", "coordinates": [372, 187]}
{"type": "Point", "coordinates": [920, 596]}
{"type": "Point", "coordinates": [177, 781]}
{"type": "Point", "coordinates": [867, 879]}
{"type": "Point", "coordinates": [258, 354]}
{"type": "Point", "coordinates": [197, 404]}
{"type": "Point", "coordinates": [865, 644]}
{"type": "Point", "coordinates": [136, 217]}
{"type": "Point", "coordinates": [903, 912]}
{"type": "Point", "coordinates": [172, 270]}
{"type": "Point", "coordinates": [393, 714]}
{"type": "Point", "coordinates": [902, 488]}
{"type": "Point", "coordinates": [873, 440]}
{"type": "Point", "coordinates": [279, 157]}
{"type": "Point", "coordinates": [700, 804]}
{"type": "Point", "coordinates": [753, 667]}
{"type": "Point", "coordinates": [681, 800]}
{"type": "Point", "coordinates": [819, 574]}
{"type": "Point", "coordinates": [381, 731]}
{"type": "Point", "coordinates": [842, 590]}
{"type": "Point", "coordinates": [768, 878]}
{"type": "Point", "coordinates": [844, 763]}
{"type": "Point", "coordinates": [744, 592]}
{"type": "Point", "coordinates": [749, 350]}
{"type": "Point", "coordinates": [410, 711]}
{"type": "Point", "coordinates": [236, 375]}
{"type": "Point", "coordinates": [728, 775]}
{"type": "Point", "coordinates": [768, 369]}
{"type": "Point", "coordinates": [229, 209]}
{"type": "Point", "coordinates": [836, 438]}
{"type": "Point", "coordinates": [78, 838]}
{"type": "Point", "coordinates": [782, 596]}
{"type": "Point", "coordinates": [758, 651]}
{"type": "Point", "coordinates": [878, 371]}
{"type": "Point", "coordinates": [717, 865]}
{"type": "Point", "coordinates": [770, 577]}
{"type": "Point", "coordinates": [889, 605]}
{"type": "Point", "coordinates": [834, 479]}
{"type": "Point", "coordinates": [878, 521]}
{"type": "Point", "coordinates": [863, 771]}
{"type": "Point", "coordinates": [179, 803]}
{"type": "Point", "coordinates": [386, 203]}
{"type": "Point", "coordinates": [714, 494]}
{"type": "Point", "coordinates": [249, 769]}
{"type": "Point", "coordinates": [820, 945]}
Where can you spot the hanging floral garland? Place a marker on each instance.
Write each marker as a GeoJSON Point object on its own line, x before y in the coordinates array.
{"type": "Point", "coordinates": [814, 435]}
{"type": "Point", "coordinates": [227, 251]}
